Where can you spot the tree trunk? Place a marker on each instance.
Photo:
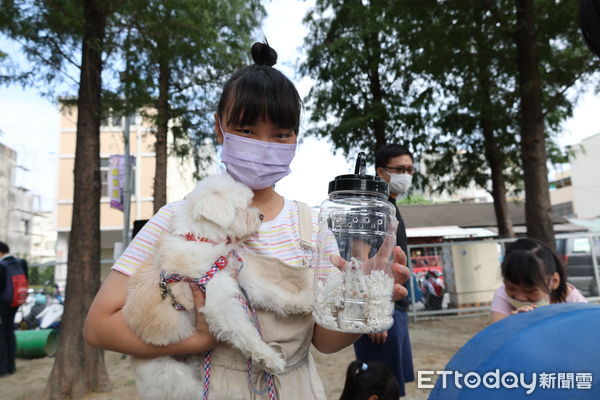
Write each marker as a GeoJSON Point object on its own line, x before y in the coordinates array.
{"type": "Point", "coordinates": [162, 129]}
{"type": "Point", "coordinates": [78, 368]}
{"type": "Point", "coordinates": [533, 143]}
{"type": "Point", "coordinates": [493, 154]}
{"type": "Point", "coordinates": [496, 162]}
{"type": "Point", "coordinates": [380, 115]}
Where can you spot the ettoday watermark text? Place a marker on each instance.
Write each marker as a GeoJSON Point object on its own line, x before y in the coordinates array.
{"type": "Point", "coordinates": [497, 379]}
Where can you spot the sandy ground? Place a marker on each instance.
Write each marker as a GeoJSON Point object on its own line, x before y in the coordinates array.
{"type": "Point", "coordinates": [434, 342]}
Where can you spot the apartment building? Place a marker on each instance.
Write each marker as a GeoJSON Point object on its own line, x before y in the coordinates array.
{"type": "Point", "coordinates": [575, 192]}
{"type": "Point", "coordinates": [179, 177]}
{"type": "Point", "coordinates": [16, 205]}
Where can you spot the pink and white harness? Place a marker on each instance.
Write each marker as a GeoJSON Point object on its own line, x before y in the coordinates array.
{"type": "Point", "coordinates": [201, 282]}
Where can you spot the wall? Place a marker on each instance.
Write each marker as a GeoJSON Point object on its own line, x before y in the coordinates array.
{"type": "Point", "coordinates": [585, 168]}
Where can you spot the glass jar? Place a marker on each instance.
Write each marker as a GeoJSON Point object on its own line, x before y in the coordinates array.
{"type": "Point", "coordinates": [353, 264]}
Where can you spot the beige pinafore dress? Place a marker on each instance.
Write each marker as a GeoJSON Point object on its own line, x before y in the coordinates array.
{"type": "Point", "coordinates": [291, 335]}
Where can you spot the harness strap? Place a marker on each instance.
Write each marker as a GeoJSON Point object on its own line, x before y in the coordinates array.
{"type": "Point", "coordinates": [201, 282]}
{"type": "Point", "coordinates": [305, 228]}
{"type": "Point", "coordinates": [246, 304]}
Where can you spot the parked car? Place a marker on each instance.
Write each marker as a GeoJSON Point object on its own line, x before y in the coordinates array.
{"type": "Point", "coordinates": [576, 253]}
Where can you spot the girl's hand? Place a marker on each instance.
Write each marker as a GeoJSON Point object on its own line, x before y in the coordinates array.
{"type": "Point", "coordinates": [401, 274]}
{"type": "Point", "coordinates": [378, 338]}
{"type": "Point", "coordinates": [524, 309]}
{"type": "Point", "coordinates": [201, 325]}
{"type": "Point", "coordinates": [399, 270]}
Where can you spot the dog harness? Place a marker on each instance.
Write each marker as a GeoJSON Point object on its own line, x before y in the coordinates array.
{"type": "Point", "coordinates": [201, 282]}
{"type": "Point", "coordinates": [191, 237]}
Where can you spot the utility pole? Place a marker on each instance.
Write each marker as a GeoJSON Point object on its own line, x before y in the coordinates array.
{"type": "Point", "coordinates": [126, 183]}
{"type": "Point", "coordinates": [126, 153]}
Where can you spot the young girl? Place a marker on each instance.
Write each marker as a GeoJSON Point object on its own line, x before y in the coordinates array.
{"type": "Point", "coordinates": [533, 276]}
{"type": "Point", "coordinates": [372, 381]}
{"type": "Point", "coordinates": [257, 123]}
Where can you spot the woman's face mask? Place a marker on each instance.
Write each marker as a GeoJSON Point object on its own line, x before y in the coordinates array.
{"type": "Point", "coordinates": [256, 163]}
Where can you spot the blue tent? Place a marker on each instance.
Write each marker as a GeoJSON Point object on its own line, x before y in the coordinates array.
{"type": "Point", "coordinates": [550, 353]}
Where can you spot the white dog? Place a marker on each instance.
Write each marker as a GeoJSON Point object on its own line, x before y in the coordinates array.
{"type": "Point", "coordinates": [213, 220]}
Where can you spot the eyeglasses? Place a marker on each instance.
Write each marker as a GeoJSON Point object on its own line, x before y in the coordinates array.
{"type": "Point", "coordinates": [400, 170]}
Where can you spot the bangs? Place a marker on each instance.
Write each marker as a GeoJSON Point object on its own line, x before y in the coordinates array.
{"type": "Point", "coordinates": [522, 267]}
{"type": "Point", "coordinates": [261, 93]}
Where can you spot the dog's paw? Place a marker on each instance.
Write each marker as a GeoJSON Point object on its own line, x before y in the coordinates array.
{"type": "Point", "coordinates": [274, 364]}
{"type": "Point", "coordinates": [268, 358]}
{"type": "Point", "coordinates": [302, 306]}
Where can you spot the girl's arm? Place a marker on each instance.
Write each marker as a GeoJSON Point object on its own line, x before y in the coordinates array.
{"type": "Point", "coordinates": [105, 326]}
{"type": "Point", "coordinates": [327, 341]}
{"type": "Point", "coordinates": [497, 316]}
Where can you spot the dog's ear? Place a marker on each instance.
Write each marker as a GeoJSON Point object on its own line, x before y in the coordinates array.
{"type": "Point", "coordinates": [215, 208]}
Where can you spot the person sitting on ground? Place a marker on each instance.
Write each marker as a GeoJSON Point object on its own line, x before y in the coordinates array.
{"type": "Point", "coordinates": [533, 276]}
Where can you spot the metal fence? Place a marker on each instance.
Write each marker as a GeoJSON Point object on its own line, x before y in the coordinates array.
{"type": "Point", "coordinates": [460, 277]}
{"type": "Point", "coordinates": [465, 274]}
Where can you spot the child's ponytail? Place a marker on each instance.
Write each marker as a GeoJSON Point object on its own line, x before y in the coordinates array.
{"type": "Point", "coordinates": [263, 54]}
{"type": "Point", "coordinates": [559, 295]}
{"type": "Point", "coordinates": [366, 379]}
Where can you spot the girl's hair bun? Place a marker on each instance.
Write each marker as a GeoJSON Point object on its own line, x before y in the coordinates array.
{"type": "Point", "coordinates": [263, 54]}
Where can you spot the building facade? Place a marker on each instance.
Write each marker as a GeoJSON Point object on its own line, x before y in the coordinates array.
{"type": "Point", "coordinates": [141, 139]}
{"type": "Point", "coordinates": [576, 192]}
{"type": "Point", "coordinates": [16, 206]}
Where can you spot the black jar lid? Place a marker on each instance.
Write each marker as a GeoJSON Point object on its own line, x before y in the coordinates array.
{"type": "Point", "coordinates": [359, 181]}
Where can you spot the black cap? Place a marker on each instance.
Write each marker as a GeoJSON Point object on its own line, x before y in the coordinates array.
{"type": "Point", "coordinates": [359, 181]}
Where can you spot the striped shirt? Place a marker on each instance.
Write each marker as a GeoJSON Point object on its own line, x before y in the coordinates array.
{"type": "Point", "coordinates": [279, 238]}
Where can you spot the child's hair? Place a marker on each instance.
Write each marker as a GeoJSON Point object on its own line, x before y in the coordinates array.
{"type": "Point", "coordinates": [531, 262]}
{"type": "Point", "coordinates": [589, 22]}
{"type": "Point", "coordinates": [260, 92]}
{"type": "Point", "coordinates": [367, 379]}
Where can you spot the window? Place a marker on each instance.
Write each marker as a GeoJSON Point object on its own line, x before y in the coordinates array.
{"type": "Point", "coordinates": [561, 183]}
{"type": "Point", "coordinates": [563, 209]}
{"type": "Point", "coordinates": [25, 226]}
{"type": "Point", "coordinates": [581, 245]}
{"type": "Point", "coordinates": [116, 120]}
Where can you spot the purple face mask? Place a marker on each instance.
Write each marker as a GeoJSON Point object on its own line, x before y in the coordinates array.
{"type": "Point", "coordinates": [255, 163]}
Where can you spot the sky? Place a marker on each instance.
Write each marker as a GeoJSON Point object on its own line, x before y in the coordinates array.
{"type": "Point", "coordinates": [30, 124]}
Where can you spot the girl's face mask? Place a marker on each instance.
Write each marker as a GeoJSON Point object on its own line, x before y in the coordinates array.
{"type": "Point", "coordinates": [528, 292]}
{"type": "Point", "coordinates": [255, 163]}
{"type": "Point", "coordinates": [518, 304]}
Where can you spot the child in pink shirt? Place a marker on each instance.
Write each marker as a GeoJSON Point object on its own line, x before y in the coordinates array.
{"type": "Point", "coordinates": [533, 276]}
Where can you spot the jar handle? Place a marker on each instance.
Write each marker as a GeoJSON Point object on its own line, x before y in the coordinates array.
{"type": "Point", "coordinates": [361, 164]}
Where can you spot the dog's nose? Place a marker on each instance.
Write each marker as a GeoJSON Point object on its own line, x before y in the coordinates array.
{"type": "Point", "coordinates": [261, 217]}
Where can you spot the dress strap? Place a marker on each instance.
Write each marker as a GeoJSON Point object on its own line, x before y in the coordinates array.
{"type": "Point", "coordinates": [305, 225]}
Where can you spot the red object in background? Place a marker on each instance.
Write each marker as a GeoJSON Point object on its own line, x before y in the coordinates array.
{"type": "Point", "coordinates": [422, 264]}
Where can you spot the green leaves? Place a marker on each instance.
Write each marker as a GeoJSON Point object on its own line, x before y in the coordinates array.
{"type": "Point", "coordinates": [432, 74]}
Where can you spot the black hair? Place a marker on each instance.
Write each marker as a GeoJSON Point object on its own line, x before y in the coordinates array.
{"type": "Point", "coordinates": [4, 248]}
{"type": "Point", "coordinates": [530, 262]}
{"type": "Point", "coordinates": [367, 379]}
{"type": "Point", "coordinates": [389, 151]}
{"type": "Point", "coordinates": [589, 23]}
{"type": "Point", "coordinates": [260, 92]}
